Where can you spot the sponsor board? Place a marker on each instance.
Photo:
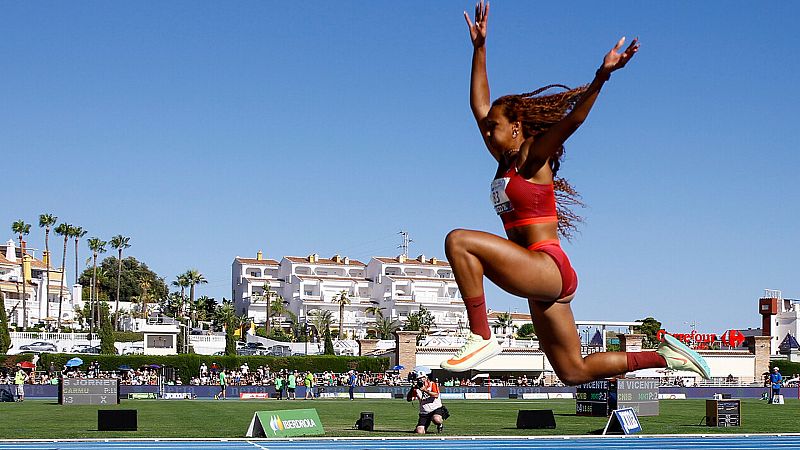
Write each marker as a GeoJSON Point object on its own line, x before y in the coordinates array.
{"type": "Point", "coordinates": [285, 423]}
{"type": "Point", "coordinates": [478, 396]}
{"type": "Point", "coordinates": [451, 396]}
{"type": "Point", "coordinates": [554, 395]}
{"type": "Point", "coordinates": [672, 396]}
{"type": "Point", "coordinates": [178, 396]}
{"type": "Point", "coordinates": [377, 395]}
{"type": "Point", "coordinates": [254, 395]}
{"type": "Point", "coordinates": [142, 396]}
{"type": "Point", "coordinates": [623, 420]}
{"type": "Point", "coordinates": [534, 396]}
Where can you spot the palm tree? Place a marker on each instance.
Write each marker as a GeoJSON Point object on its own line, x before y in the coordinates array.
{"type": "Point", "coordinates": [277, 307]}
{"type": "Point", "coordinates": [267, 295]}
{"type": "Point", "coordinates": [119, 242]}
{"type": "Point", "coordinates": [46, 221]}
{"type": "Point", "coordinates": [321, 319]}
{"type": "Point", "coordinates": [195, 278]}
{"type": "Point", "coordinates": [65, 230]}
{"type": "Point", "coordinates": [97, 246]}
{"type": "Point", "coordinates": [182, 282]}
{"type": "Point", "coordinates": [22, 229]}
{"type": "Point", "coordinates": [503, 321]}
{"type": "Point", "coordinates": [385, 326]}
{"type": "Point", "coordinates": [375, 310]}
{"type": "Point", "coordinates": [77, 233]}
{"type": "Point", "coordinates": [342, 299]}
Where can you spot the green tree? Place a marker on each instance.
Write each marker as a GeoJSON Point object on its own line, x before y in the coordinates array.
{"type": "Point", "coordinates": [526, 331]}
{"type": "Point", "coordinates": [46, 221]}
{"type": "Point", "coordinates": [106, 330]}
{"type": "Point", "coordinates": [321, 319]}
{"type": "Point", "coordinates": [76, 233]}
{"type": "Point", "coordinates": [181, 281]}
{"type": "Point", "coordinates": [421, 321]}
{"type": "Point", "coordinates": [328, 349]}
{"type": "Point", "coordinates": [195, 278]}
{"type": "Point", "coordinates": [22, 229]}
{"type": "Point", "coordinates": [97, 246]}
{"type": "Point", "coordinates": [385, 326]}
{"type": "Point", "coordinates": [64, 230]}
{"type": "Point", "coordinates": [503, 322]}
{"type": "Point", "coordinates": [5, 336]}
{"type": "Point", "coordinates": [649, 328]}
{"type": "Point", "coordinates": [375, 310]}
{"type": "Point", "coordinates": [120, 243]}
{"type": "Point", "coordinates": [226, 316]}
{"type": "Point", "coordinates": [137, 281]}
{"type": "Point", "coordinates": [343, 299]}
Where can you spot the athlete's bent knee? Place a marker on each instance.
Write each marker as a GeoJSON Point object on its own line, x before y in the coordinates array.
{"type": "Point", "coordinates": [573, 376]}
{"type": "Point", "coordinates": [455, 240]}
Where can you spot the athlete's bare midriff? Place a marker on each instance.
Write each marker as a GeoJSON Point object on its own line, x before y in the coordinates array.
{"type": "Point", "coordinates": [528, 235]}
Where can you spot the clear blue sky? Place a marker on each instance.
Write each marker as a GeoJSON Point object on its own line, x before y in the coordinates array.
{"type": "Point", "coordinates": [207, 130]}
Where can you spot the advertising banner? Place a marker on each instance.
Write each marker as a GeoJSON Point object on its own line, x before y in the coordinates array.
{"type": "Point", "coordinates": [285, 423]}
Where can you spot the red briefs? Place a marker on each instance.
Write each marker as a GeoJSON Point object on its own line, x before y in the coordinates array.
{"type": "Point", "coordinates": [569, 279]}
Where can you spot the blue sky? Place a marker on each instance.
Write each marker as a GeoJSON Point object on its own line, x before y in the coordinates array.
{"type": "Point", "coordinates": [207, 130]}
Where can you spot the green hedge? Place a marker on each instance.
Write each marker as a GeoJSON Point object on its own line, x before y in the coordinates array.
{"type": "Point", "coordinates": [188, 365]}
{"type": "Point", "coordinates": [787, 368]}
{"type": "Point", "coordinates": [128, 336]}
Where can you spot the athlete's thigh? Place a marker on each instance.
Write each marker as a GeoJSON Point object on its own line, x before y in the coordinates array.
{"type": "Point", "coordinates": [516, 269]}
{"type": "Point", "coordinates": [557, 333]}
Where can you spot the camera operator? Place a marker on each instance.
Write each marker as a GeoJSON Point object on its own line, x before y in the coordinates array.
{"type": "Point", "coordinates": [430, 405]}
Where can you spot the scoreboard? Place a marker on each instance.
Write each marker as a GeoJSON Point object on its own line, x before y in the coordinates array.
{"type": "Point", "coordinates": [600, 398]}
{"type": "Point", "coordinates": [88, 391]}
{"type": "Point", "coordinates": [723, 413]}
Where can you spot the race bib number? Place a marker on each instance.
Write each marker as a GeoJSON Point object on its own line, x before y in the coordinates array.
{"type": "Point", "coordinates": [500, 200]}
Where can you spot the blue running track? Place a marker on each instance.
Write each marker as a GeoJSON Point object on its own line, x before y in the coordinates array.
{"type": "Point", "coordinates": [752, 442]}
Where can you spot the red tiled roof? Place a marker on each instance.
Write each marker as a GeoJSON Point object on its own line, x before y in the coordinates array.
{"type": "Point", "coordinates": [324, 261]}
{"type": "Point", "coordinates": [413, 262]}
{"type": "Point", "coordinates": [514, 315]}
{"type": "Point", "coordinates": [263, 262]}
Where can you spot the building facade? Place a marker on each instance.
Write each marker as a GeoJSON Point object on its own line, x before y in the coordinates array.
{"type": "Point", "coordinates": [394, 286]}
{"type": "Point", "coordinates": [41, 295]}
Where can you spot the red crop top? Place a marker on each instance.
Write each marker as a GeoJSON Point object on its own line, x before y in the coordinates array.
{"type": "Point", "coordinates": [519, 202]}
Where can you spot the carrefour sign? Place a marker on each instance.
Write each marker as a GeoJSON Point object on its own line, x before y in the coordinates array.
{"type": "Point", "coordinates": [285, 423]}
{"type": "Point", "coordinates": [731, 338]}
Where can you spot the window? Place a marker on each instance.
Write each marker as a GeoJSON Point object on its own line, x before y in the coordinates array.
{"type": "Point", "coordinates": [159, 340]}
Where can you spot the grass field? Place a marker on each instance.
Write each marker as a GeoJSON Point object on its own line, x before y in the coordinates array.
{"type": "Point", "coordinates": [230, 418]}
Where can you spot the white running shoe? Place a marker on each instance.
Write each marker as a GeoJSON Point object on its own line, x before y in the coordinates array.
{"type": "Point", "coordinates": [680, 357]}
{"type": "Point", "coordinates": [475, 351]}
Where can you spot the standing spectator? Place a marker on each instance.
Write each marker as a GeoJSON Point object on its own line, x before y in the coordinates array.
{"type": "Point", "coordinates": [309, 382]}
{"type": "Point", "coordinates": [775, 379]}
{"type": "Point", "coordinates": [223, 384]}
{"type": "Point", "coordinates": [352, 379]}
{"type": "Point", "coordinates": [279, 385]}
{"type": "Point", "coordinates": [291, 385]}
{"type": "Point", "coordinates": [19, 380]}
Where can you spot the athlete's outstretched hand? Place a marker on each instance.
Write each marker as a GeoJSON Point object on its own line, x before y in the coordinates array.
{"type": "Point", "coordinates": [614, 60]}
{"type": "Point", "coordinates": [477, 32]}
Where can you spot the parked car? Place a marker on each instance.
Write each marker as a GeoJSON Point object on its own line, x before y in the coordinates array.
{"type": "Point", "coordinates": [256, 346]}
{"type": "Point", "coordinates": [134, 350]}
{"type": "Point", "coordinates": [79, 348]}
{"type": "Point", "coordinates": [279, 350]}
{"type": "Point", "coordinates": [39, 346]}
{"type": "Point", "coordinates": [94, 350]}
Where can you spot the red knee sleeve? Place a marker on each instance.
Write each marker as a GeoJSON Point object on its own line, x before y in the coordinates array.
{"type": "Point", "coordinates": [478, 319]}
{"type": "Point", "coordinates": [644, 360]}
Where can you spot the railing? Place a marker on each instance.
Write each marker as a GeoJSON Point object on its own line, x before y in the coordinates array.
{"type": "Point", "coordinates": [206, 338]}
{"type": "Point", "coordinates": [41, 336]}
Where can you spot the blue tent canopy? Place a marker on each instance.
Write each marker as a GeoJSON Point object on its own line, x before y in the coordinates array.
{"type": "Point", "coordinates": [597, 339]}
{"type": "Point", "coordinates": [788, 343]}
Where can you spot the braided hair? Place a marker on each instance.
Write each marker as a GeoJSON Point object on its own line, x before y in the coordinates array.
{"type": "Point", "coordinates": [537, 113]}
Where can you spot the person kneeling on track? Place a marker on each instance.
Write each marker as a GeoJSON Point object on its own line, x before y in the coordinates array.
{"type": "Point", "coordinates": [430, 405]}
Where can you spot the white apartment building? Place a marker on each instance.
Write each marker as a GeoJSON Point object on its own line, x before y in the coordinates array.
{"type": "Point", "coordinates": [41, 294]}
{"type": "Point", "coordinates": [397, 285]}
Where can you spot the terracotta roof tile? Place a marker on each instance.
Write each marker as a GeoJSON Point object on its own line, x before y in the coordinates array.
{"type": "Point", "coordinates": [414, 262]}
{"type": "Point", "coordinates": [264, 262]}
{"type": "Point", "coordinates": [325, 261]}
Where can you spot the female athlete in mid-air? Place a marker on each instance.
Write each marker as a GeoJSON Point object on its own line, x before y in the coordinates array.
{"type": "Point", "coordinates": [525, 133]}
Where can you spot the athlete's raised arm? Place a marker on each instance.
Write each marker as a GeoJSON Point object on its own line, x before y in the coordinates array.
{"type": "Point", "coordinates": [479, 99]}
{"type": "Point", "coordinates": [547, 144]}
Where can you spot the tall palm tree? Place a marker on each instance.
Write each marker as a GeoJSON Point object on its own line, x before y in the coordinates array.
{"type": "Point", "coordinates": [322, 319]}
{"type": "Point", "coordinates": [97, 246]}
{"type": "Point", "coordinates": [343, 299]}
{"type": "Point", "coordinates": [120, 243]}
{"type": "Point", "coordinates": [46, 221]}
{"type": "Point", "coordinates": [22, 229]}
{"type": "Point", "coordinates": [267, 295]}
{"type": "Point", "coordinates": [181, 281]}
{"type": "Point", "coordinates": [77, 233]}
{"type": "Point", "coordinates": [504, 321]}
{"type": "Point", "coordinates": [385, 326]}
{"type": "Point", "coordinates": [65, 230]}
{"type": "Point", "coordinates": [278, 308]}
{"type": "Point", "coordinates": [195, 278]}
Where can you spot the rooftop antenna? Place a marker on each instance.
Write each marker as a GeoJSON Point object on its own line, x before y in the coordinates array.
{"type": "Point", "coordinates": [406, 242]}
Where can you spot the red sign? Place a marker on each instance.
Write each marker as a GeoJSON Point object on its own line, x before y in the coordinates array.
{"type": "Point", "coordinates": [731, 338]}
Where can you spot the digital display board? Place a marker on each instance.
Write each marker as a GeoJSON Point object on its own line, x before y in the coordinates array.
{"type": "Point", "coordinates": [723, 413]}
{"type": "Point", "coordinates": [600, 398]}
{"type": "Point", "coordinates": [88, 391]}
